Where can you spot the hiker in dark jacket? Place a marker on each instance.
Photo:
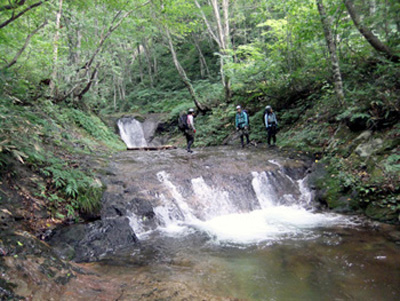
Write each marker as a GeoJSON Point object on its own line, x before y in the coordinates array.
{"type": "Point", "coordinates": [190, 131]}
{"type": "Point", "coordinates": [271, 124]}
{"type": "Point", "coordinates": [242, 124]}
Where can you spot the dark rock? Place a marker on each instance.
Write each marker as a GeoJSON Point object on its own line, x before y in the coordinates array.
{"type": "Point", "coordinates": [89, 242]}
{"type": "Point", "coordinates": [142, 207]}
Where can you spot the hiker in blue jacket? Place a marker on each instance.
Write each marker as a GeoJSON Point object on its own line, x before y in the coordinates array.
{"type": "Point", "coordinates": [271, 124]}
{"type": "Point", "coordinates": [242, 124]}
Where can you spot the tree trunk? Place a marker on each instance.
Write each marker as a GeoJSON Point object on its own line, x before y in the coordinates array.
{"type": "Point", "coordinates": [114, 94]}
{"type": "Point", "coordinates": [55, 50]}
{"type": "Point", "coordinates": [225, 10]}
{"type": "Point", "coordinates": [149, 63]}
{"type": "Point", "coordinates": [182, 73]}
{"type": "Point", "coordinates": [337, 76]}
{"type": "Point", "coordinates": [369, 35]}
{"type": "Point", "coordinates": [203, 63]}
{"type": "Point", "coordinates": [221, 37]}
{"type": "Point", "coordinates": [372, 7]}
{"type": "Point", "coordinates": [139, 55]}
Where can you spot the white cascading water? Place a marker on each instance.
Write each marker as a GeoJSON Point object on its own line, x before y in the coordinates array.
{"type": "Point", "coordinates": [215, 211]}
{"type": "Point", "coordinates": [131, 132]}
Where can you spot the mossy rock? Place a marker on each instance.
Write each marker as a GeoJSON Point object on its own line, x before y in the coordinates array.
{"type": "Point", "coordinates": [383, 214]}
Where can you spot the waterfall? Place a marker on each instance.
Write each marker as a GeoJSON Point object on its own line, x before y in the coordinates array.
{"type": "Point", "coordinates": [263, 189]}
{"type": "Point", "coordinates": [282, 208]}
{"type": "Point", "coordinates": [131, 132]}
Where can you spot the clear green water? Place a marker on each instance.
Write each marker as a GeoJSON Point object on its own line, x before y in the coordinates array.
{"type": "Point", "coordinates": [336, 264]}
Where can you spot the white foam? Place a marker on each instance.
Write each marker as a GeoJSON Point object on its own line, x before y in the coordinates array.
{"type": "Point", "coordinates": [210, 210]}
{"type": "Point", "coordinates": [271, 224]}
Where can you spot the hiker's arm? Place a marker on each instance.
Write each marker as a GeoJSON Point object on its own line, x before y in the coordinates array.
{"type": "Point", "coordinates": [266, 120]}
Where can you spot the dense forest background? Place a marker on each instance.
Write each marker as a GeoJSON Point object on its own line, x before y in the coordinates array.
{"type": "Point", "coordinates": [330, 69]}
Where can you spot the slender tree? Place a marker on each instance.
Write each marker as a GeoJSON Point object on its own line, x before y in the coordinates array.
{"type": "Point", "coordinates": [55, 49]}
{"type": "Point", "coordinates": [182, 73]}
{"type": "Point", "coordinates": [221, 35]}
{"type": "Point", "coordinates": [337, 76]}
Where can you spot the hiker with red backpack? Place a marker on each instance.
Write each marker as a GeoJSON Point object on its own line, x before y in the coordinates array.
{"type": "Point", "coordinates": [242, 124]}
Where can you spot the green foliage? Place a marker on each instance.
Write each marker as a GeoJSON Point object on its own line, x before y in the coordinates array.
{"type": "Point", "coordinates": [392, 164]}
{"type": "Point", "coordinates": [213, 128]}
{"type": "Point", "coordinates": [44, 138]}
{"type": "Point", "coordinates": [309, 138]}
{"type": "Point", "coordinates": [71, 189]}
{"type": "Point", "coordinates": [346, 177]}
{"type": "Point", "coordinates": [93, 126]}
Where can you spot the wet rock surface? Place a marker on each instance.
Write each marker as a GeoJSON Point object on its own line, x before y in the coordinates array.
{"type": "Point", "coordinates": [134, 187]}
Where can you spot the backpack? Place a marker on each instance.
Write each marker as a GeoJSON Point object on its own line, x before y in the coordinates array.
{"type": "Point", "coordinates": [248, 117]}
{"type": "Point", "coordinates": [182, 122]}
{"type": "Point", "coordinates": [265, 113]}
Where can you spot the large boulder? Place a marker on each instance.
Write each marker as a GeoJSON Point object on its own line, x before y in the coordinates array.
{"type": "Point", "coordinates": [91, 241]}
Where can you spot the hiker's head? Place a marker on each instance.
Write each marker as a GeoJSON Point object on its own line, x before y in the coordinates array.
{"type": "Point", "coordinates": [239, 108]}
{"type": "Point", "coordinates": [268, 108]}
{"type": "Point", "coordinates": [191, 111]}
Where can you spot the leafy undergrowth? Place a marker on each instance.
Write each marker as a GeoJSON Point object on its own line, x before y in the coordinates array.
{"type": "Point", "coordinates": [362, 161]}
{"type": "Point", "coordinates": [44, 160]}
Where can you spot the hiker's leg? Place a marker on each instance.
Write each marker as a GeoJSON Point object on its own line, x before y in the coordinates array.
{"type": "Point", "coordinates": [190, 142]}
{"type": "Point", "coordinates": [187, 136]}
{"type": "Point", "coordinates": [269, 136]}
{"type": "Point", "coordinates": [246, 133]}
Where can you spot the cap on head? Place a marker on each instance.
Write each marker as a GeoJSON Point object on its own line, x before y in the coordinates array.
{"type": "Point", "coordinates": [268, 107]}
{"type": "Point", "coordinates": [191, 110]}
{"type": "Point", "coordinates": [238, 107]}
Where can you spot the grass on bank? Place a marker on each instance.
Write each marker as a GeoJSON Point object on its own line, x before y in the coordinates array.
{"type": "Point", "coordinates": [48, 142]}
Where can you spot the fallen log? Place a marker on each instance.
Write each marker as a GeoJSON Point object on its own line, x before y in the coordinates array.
{"type": "Point", "coordinates": [152, 148]}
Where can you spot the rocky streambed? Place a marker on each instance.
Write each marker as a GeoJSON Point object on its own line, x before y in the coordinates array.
{"type": "Point", "coordinates": [220, 224]}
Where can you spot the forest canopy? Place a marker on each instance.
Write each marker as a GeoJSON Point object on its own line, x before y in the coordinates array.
{"type": "Point", "coordinates": [111, 56]}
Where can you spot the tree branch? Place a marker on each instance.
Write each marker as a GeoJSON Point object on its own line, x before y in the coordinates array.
{"type": "Point", "coordinates": [373, 40]}
{"type": "Point", "coordinates": [89, 83]}
{"type": "Point", "coordinates": [15, 17]}
{"type": "Point", "coordinates": [209, 29]}
{"type": "Point", "coordinates": [109, 32]}
{"type": "Point", "coordinates": [28, 38]}
{"type": "Point", "coordinates": [12, 6]}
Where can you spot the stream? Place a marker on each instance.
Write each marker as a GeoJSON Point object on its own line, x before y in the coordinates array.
{"type": "Point", "coordinates": [226, 223]}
